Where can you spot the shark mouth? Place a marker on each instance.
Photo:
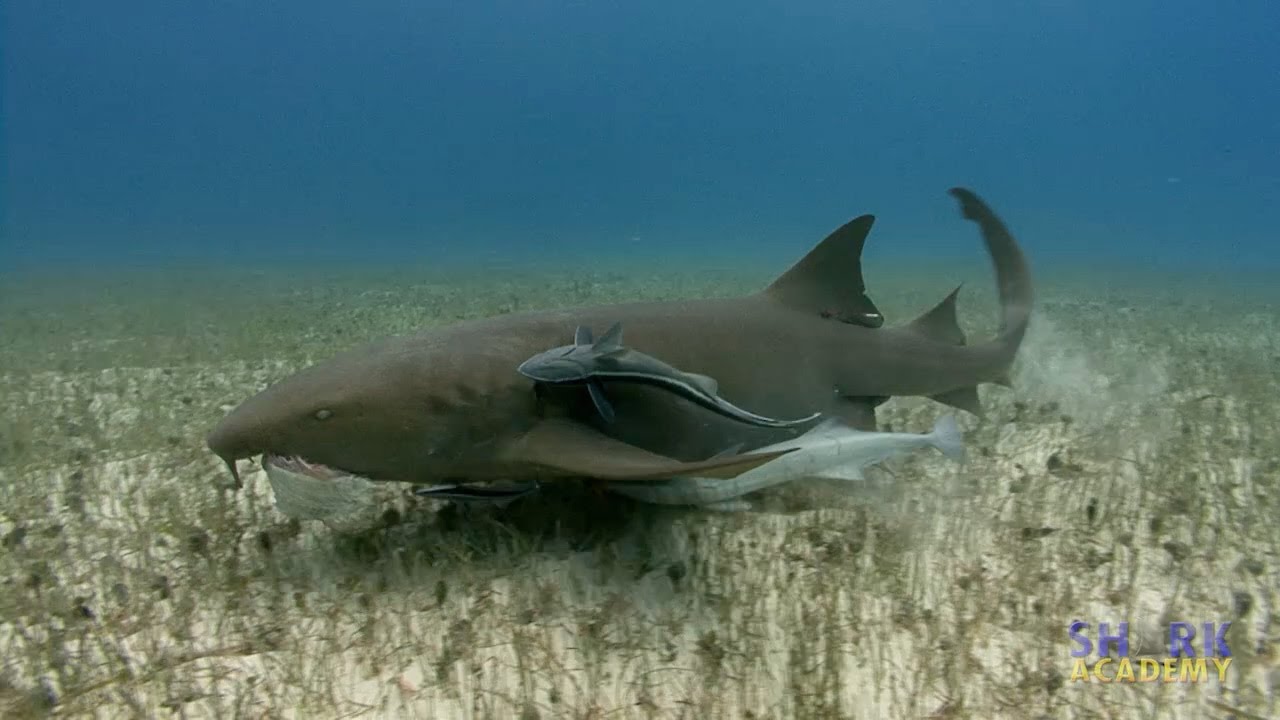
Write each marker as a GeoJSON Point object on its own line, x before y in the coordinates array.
{"type": "Point", "coordinates": [302, 466]}
{"type": "Point", "coordinates": [306, 490]}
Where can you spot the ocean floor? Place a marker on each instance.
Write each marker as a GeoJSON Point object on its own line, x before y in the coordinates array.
{"type": "Point", "coordinates": [1132, 474]}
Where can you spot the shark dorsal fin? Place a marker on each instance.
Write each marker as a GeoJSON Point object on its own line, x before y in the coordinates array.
{"type": "Point", "coordinates": [582, 336]}
{"type": "Point", "coordinates": [610, 341]}
{"type": "Point", "coordinates": [940, 323]}
{"type": "Point", "coordinates": [828, 281]}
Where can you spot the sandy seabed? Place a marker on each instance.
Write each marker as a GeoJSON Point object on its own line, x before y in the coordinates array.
{"type": "Point", "coordinates": [1130, 475]}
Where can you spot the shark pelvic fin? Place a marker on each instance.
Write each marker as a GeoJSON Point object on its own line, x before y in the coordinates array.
{"type": "Point", "coordinates": [964, 398]}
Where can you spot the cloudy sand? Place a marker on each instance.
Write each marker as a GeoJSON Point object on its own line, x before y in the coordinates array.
{"type": "Point", "coordinates": [1131, 475]}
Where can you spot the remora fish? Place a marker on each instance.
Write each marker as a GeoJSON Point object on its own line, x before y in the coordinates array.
{"type": "Point", "coordinates": [500, 495]}
{"type": "Point", "coordinates": [445, 405]}
{"type": "Point", "coordinates": [587, 362]}
{"type": "Point", "coordinates": [830, 450]}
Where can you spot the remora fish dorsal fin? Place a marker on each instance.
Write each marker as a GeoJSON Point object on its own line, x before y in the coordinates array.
{"type": "Point", "coordinates": [828, 280]}
{"type": "Point", "coordinates": [610, 341]}
{"type": "Point", "coordinates": [572, 449]}
{"type": "Point", "coordinates": [940, 322]}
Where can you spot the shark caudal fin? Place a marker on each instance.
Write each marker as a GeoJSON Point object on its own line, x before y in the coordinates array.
{"type": "Point", "coordinates": [1013, 280]}
{"type": "Point", "coordinates": [828, 280]}
{"type": "Point", "coordinates": [1013, 276]}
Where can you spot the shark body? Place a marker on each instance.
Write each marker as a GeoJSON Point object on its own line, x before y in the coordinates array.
{"type": "Point", "coordinates": [448, 405]}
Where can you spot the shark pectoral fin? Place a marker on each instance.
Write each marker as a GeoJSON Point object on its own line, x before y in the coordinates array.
{"type": "Point", "coordinates": [965, 399]}
{"type": "Point", "coordinates": [704, 383]}
{"type": "Point", "coordinates": [940, 323]}
{"type": "Point", "coordinates": [828, 281]}
{"type": "Point", "coordinates": [572, 449]}
{"type": "Point", "coordinates": [601, 402]}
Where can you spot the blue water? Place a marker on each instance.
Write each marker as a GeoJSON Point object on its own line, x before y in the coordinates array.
{"type": "Point", "coordinates": [1141, 133]}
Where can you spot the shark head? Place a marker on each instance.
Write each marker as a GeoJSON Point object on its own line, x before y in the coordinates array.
{"type": "Point", "coordinates": [356, 414]}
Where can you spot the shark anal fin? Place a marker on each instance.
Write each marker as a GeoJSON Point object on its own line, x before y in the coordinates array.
{"type": "Point", "coordinates": [569, 449]}
{"type": "Point", "coordinates": [964, 398]}
{"type": "Point", "coordinates": [601, 402]}
{"type": "Point", "coordinates": [828, 281]}
{"type": "Point", "coordinates": [939, 323]}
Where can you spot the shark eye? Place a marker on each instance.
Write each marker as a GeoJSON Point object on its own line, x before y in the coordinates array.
{"type": "Point", "coordinates": [323, 414]}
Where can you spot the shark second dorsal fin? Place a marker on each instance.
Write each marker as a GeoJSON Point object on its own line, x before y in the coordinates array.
{"type": "Point", "coordinates": [610, 341]}
{"type": "Point", "coordinates": [828, 280]}
{"type": "Point", "coordinates": [582, 336]}
{"type": "Point", "coordinates": [940, 322]}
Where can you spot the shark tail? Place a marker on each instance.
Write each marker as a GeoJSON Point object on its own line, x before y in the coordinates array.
{"type": "Point", "coordinates": [1013, 277]}
{"type": "Point", "coordinates": [946, 437]}
{"type": "Point", "coordinates": [1013, 281]}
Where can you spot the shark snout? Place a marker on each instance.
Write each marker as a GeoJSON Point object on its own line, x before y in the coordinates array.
{"type": "Point", "coordinates": [232, 440]}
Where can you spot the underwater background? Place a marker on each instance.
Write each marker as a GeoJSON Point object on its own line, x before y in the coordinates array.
{"type": "Point", "coordinates": [1135, 133]}
{"type": "Point", "coordinates": [201, 198]}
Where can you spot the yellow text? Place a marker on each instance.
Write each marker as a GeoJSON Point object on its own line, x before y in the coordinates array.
{"type": "Point", "coordinates": [1168, 670]}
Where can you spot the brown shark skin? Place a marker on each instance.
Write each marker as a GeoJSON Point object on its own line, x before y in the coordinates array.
{"type": "Point", "coordinates": [448, 404]}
